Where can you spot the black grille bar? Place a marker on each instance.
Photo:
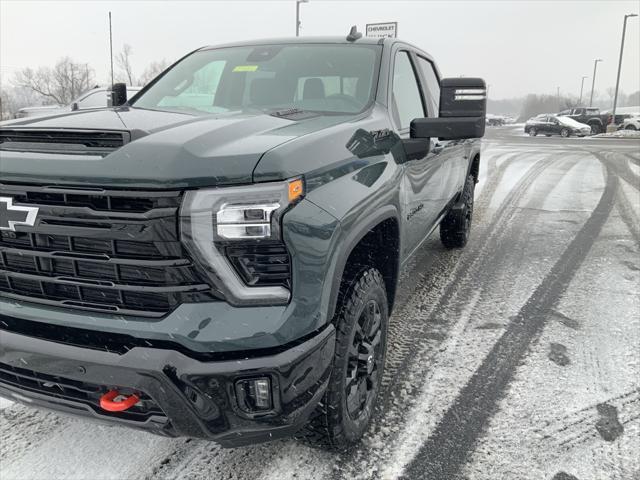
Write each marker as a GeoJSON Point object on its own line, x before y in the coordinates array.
{"type": "Point", "coordinates": [264, 264]}
{"type": "Point", "coordinates": [128, 261]}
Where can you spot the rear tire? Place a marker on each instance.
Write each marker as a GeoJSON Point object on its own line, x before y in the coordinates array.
{"type": "Point", "coordinates": [456, 225]}
{"type": "Point", "coordinates": [565, 132]}
{"type": "Point", "coordinates": [343, 415]}
{"type": "Point", "coordinates": [533, 132]}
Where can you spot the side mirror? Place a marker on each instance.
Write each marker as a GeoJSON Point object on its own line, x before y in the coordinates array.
{"type": "Point", "coordinates": [463, 111]}
{"type": "Point", "coordinates": [118, 94]}
{"type": "Point", "coordinates": [74, 106]}
{"type": "Point", "coordinates": [416, 148]}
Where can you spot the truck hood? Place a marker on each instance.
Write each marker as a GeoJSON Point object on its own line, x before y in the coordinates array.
{"type": "Point", "coordinates": [167, 149]}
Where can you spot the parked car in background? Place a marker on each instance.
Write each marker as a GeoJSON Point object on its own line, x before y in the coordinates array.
{"type": "Point", "coordinates": [495, 120]}
{"type": "Point", "coordinates": [548, 125]}
{"type": "Point", "coordinates": [597, 120]}
{"type": "Point", "coordinates": [94, 98]}
{"type": "Point", "coordinates": [632, 122]}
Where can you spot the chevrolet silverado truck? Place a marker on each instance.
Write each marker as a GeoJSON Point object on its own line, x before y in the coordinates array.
{"type": "Point", "coordinates": [218, 256]}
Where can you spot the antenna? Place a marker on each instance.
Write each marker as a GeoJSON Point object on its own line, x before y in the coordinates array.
{"type": "Point", "coordinates": [354, 34]}
{"type": "Point", "coordinates": [111, 48]}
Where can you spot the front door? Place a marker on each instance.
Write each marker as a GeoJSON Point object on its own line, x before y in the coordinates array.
{"type": "Point", "coordinates": [422, 183]}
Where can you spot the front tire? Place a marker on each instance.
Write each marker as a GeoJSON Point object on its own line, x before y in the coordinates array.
{"type": "Point", "coordinates": [343, 415]}
{"type": "Point", "coordinates": [456, 225]}
{"type": "Point", "coordinates": [630, 127]}
{"type": "Point", "coordinates": [595, 128]}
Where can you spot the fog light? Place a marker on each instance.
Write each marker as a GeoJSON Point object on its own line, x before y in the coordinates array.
{"type": "Point", "coordinates": [254, 394]}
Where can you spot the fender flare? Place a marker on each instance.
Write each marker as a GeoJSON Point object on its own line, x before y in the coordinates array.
{"type": "Point", "coordinates": [475, 152]}
{"type": "Point", "coordinates": [353, 237]}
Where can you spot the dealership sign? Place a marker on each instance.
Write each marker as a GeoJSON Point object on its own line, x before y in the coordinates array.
{"type": "Point", "coordinates": [382, 30]}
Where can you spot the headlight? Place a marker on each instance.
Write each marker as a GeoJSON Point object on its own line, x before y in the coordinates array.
{"type": "Point", "coordinates": [215, 222]}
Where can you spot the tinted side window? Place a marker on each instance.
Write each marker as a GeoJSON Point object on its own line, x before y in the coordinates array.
{"type": "Point", "coordinates": [432, 93]}
{"type": "Point", "coordinates": [406, 99]}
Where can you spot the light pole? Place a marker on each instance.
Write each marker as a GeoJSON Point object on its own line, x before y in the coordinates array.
{"type": "Point", "coordinates": [582, 89]}
{"type": "Point", "coordinates": [593, 81]}
{"type": "Point", "coordinates": [298, 2]}
{"type": "Point", "coordinates": [615, 97]}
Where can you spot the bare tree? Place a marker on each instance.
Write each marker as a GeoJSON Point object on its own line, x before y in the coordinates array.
{"type": "Point", "coordinates": [62, 83]}
{"type": "Point", "coordinates": [152, 71]}
{"type": "Point", "coordinates": [633, 99]}
{"type": "Point", "coordinates": [5, 105]}
{"type": "Point", "coordinates": [536, 104]}
{"type": "Point", "coordinates": [123, 60]}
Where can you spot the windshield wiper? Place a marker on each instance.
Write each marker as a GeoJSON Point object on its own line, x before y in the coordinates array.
{"type": "Point", "coordinates": [294, 114]}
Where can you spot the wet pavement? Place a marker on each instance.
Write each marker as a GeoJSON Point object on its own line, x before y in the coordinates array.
{"type": "Point", "coordinates": [515, 358]}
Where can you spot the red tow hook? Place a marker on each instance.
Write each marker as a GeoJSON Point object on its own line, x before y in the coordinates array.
{"type": "Point", "coordinates": [108, 403]}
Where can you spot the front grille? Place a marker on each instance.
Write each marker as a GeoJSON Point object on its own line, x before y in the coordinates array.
{"type": "Point", "coordinates": [76, 391]}
{"type": "Point", "coordinates": [112, 251]}
{"type": "Point", "coordinates": [262, 264]}
{"type": "Point", "coordinates": [63, 140]}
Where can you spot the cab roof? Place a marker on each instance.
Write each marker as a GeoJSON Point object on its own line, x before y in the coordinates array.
{"type": "Point", "coordinates": [305, 40]}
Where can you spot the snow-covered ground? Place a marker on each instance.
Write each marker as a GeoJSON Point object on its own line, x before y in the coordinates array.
{"type": "Point", "coordinates": [620, 134]}
{"type": "Point", "coordinates": [516, 358]}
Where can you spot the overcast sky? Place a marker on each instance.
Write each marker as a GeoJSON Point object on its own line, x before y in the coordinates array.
{"type": "Point", "coordinates": [519, 47]}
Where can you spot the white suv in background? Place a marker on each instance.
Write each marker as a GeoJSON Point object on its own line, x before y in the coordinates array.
{"type": "Point", "coordinates": [631, 123]}
{"type": "Point", "coordinates": [95, 98]}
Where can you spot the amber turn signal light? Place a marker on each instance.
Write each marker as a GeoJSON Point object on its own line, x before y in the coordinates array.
{"type": "Point", "coordinates": [296, 190]}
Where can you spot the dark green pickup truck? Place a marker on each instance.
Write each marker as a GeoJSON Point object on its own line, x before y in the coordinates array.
{"type": "Point", "coordinates": [218, 256]}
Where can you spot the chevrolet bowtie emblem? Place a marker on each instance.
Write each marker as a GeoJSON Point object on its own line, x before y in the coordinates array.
{"type": "Point", "coordinates": [12, 215]}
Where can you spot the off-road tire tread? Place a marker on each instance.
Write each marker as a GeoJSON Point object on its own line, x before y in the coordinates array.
{"type": "Point", "coordinates": [450, 235]}
{"type": "Point", "coordinates": [324, 429]}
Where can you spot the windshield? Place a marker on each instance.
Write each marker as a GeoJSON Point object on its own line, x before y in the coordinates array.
{"type": "Point", "coordinates": [322, 78]}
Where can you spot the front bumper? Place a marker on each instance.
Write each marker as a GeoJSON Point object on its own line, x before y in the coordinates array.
{"type": "Point", "coordinates": [182, 396]}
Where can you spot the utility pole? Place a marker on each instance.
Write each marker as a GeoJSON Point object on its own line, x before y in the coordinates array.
{"type": "Point", "coordinates": [298, 2]}
{"type": "Point", "coordinates": [581, 89]}
{"type": "Point", "coordinates": [593, 81]}
{"type": "Point", "coordinates": [615, 97]}
{"type": "Point", "coordinates": [111, 48]}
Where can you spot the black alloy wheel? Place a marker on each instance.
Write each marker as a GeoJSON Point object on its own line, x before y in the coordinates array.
{"type": "Point", "coordinates": [363, 361]}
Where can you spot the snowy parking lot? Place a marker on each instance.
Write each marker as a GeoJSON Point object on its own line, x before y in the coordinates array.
{"type": "Point", "coordinates": [515, 358]}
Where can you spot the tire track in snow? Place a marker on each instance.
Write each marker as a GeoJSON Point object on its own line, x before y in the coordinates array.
{"type": "Point", "coordinates": [620, 167]}
{"type": "Point", "coordinates": [634, 160]}
{"type": "Point", "coordinates": [446, 451]}
{"type": "Point", "coordinates": [406, 333]}
{"type": "Point", "coordinates": [412, 334]}
{"type": "Point", "coordinates": [624, 205]}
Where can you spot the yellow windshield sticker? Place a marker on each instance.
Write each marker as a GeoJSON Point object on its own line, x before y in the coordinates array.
{"type": "Point", "coordinates": [245, 68]}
